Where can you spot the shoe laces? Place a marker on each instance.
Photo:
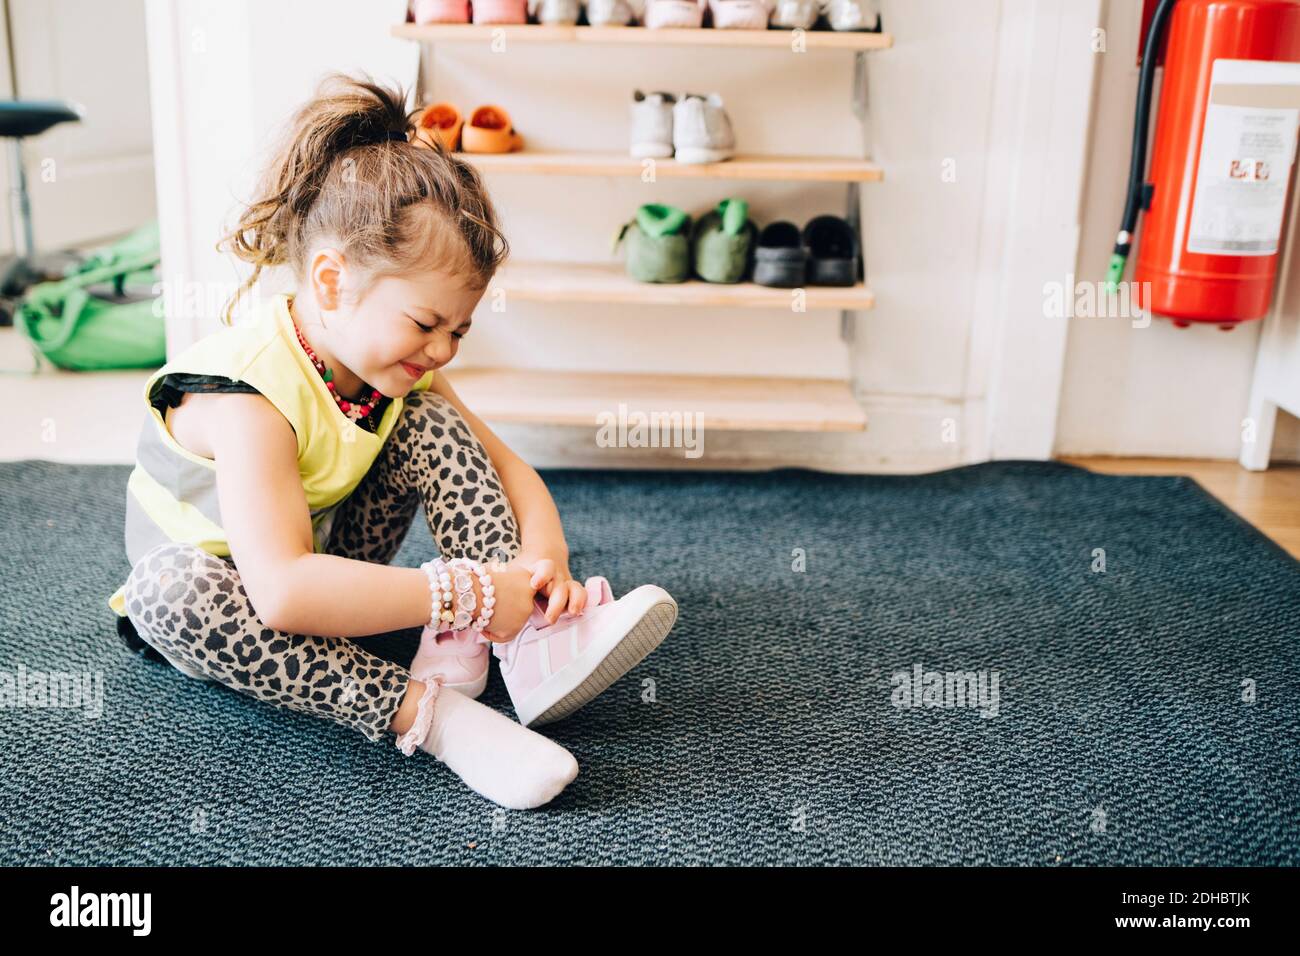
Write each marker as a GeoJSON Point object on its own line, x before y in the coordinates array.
{"type": "Point", "coordinates": [459, 643]}
{"type": "Point", "coordinates": [507, 651]}
{"type": "Point", "coordinates": [538, 627]}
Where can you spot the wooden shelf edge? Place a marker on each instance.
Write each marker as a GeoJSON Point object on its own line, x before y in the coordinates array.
{"type": "Point", "coordinates": [842, 169]}
{"type": "Point", "coordinates": [609, 284]}
{"type": "Point", "coordinates": [723, 402]}
{"type": "Point", "coordinates": [636, 35]}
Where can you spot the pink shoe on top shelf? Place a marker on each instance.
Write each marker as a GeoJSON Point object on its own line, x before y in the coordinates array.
{"type": "Point", "coordinates": [440, 11]}
{"type": "Point", "coordinates": [551, 670]}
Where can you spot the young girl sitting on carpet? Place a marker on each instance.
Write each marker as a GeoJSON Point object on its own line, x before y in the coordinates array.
{"type": "Point", "coordinates": [281, 465]}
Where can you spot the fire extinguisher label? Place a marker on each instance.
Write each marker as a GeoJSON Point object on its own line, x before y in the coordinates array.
{"type": "Point", "coordinates": [1247, 149]}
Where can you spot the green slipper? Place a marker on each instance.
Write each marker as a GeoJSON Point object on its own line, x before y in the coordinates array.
{"type": "Point", "coordinates": [722, 242]}
{"type": "Point", "coordinates": [658, 244]}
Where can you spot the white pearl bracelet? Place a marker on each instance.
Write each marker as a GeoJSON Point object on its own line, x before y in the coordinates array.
{"type": "Point", "coordinates": [440, 616]}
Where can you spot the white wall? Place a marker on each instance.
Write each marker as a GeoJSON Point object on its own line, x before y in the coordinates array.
{"type": "Point", "coordinates": [911, 352]}
{"type": "Point", "coordinates": [965, 120]}
{"type": "Point", "coordinates": [90, 180]}
{"type": "Point", "coordinates": [956, 363]}
{"type": "Point", "coordinates": [1160, 390]}
{"type": "Point", "coordinates": [225, 76]}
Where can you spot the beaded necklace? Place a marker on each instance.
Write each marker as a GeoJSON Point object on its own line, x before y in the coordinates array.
{"type": "Point", "coordinates": [357, 411]}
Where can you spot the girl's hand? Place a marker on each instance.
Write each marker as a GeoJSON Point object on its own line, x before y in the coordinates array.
{"type": "Point", "coordinates": [515, 596]}
{"type": "Point", "coordinates": [552, 578]}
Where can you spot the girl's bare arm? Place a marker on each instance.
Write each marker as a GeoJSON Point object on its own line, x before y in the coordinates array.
{"type": "Point", "coordinates": [267, 521]}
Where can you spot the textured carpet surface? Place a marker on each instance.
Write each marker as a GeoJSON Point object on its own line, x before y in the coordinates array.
{"type": "Point", "coordinates": [1147, 713]}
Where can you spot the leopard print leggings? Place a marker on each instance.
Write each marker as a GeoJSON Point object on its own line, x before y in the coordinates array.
{"type": "Point", "coordinates": [192, 608]}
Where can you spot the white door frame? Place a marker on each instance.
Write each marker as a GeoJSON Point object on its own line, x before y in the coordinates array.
{"type": "Point", "coordinates": [1029, 236]}
{"type": "Point", "coordinates": [221, 96]}
{"type": "Point", "coordinates": [167, 50]}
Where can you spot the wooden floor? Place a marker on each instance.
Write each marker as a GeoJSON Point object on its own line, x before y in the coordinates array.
{"type": "Point", "coordinates": [1270, 500]}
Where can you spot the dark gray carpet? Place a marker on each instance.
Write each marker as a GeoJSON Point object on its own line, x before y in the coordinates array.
{"type": "Point", "coordinates": [1121, 733]}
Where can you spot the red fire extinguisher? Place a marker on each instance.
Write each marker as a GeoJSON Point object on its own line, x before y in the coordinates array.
{"type": "Point", "coordinates": [1225, 141]}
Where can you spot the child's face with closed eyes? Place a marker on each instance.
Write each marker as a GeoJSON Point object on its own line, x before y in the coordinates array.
{"type": "Point", "coordinates": [401, 327]}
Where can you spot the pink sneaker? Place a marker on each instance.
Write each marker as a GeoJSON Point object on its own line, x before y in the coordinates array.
{"type": "Point", "coordinates": [553, 669]}
{"type": "Point", "coordinates": [461, 657]}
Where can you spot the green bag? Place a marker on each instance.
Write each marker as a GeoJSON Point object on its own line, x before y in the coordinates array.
{"type": "Point", "coordinates": [96, 318]}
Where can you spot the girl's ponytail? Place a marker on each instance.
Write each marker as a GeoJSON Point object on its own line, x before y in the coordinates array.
{"type": "Point", "coordinates": [347, 172]}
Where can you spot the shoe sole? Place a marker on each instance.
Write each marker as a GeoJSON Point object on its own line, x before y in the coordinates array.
{"type": "Point", "coordinates": [840, 272]}
{"type": "Point", "coordinates": [693, 155]}
{"type": "Point", "coordinates": [780, 275]}
{"type": "Point", "coordinates": [601, 664]}
{"type": "Point", "coordinates": [652, 151]}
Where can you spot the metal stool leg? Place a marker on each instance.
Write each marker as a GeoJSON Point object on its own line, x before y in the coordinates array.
{"type": "Point", "coordinates": [18, 272]}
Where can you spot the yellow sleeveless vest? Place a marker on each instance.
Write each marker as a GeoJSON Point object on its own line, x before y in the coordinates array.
{"type": "Point", "coordinates": [172, 493]}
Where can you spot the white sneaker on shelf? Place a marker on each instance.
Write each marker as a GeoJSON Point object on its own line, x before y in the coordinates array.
{"type": "Point", "coordinates": [652, 125]}
{"type": "Point", "coordinates": [674, 14]}
{"type": "Point", "coordinates": [702, 130]}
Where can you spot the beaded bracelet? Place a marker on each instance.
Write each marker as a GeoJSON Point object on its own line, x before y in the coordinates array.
{"type": "Point", "coordinates": [440, 614]}
{"type": "Point", "coordinates": [488, 588]}
{"type": "Point", "coordinates": [465, 599]}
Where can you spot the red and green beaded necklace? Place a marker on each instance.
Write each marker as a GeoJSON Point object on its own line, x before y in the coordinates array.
{"type": "Point", "coordinates": [357, 411]}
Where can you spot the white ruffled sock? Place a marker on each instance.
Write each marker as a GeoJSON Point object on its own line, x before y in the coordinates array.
{"type": "Point", "coordinates": [496, 757]}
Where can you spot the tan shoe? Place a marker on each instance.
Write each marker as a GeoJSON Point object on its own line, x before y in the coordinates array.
{"type": "Point", "coordinates": [489, 131]}
{"type": "Point", "coordinates": [441, 122]}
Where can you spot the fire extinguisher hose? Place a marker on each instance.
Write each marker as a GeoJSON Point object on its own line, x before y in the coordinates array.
{"type": "Point", "coordinates": [1139, 197]}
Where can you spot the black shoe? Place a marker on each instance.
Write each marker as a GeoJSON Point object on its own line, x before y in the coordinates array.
{"type": "Point", "coordinates": [832, 251]}
{"type": "Point", "coordinates": [780, 259]}
{"type": "Point", "coordinates": [134, 642]}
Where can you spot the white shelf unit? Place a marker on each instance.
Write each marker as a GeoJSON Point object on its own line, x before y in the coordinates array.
{"type": "Point", "coordinates": [732, 402]}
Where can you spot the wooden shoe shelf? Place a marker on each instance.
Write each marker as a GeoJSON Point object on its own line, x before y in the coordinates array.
{"type": "Point", "coordinates": [599, 282]}
{"type": "Point", "coordinates": [636, 36]}
{"type": "Point", "coordinates": [822, 169]}
{"type": "Point", "coordinates": [727, 402]}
